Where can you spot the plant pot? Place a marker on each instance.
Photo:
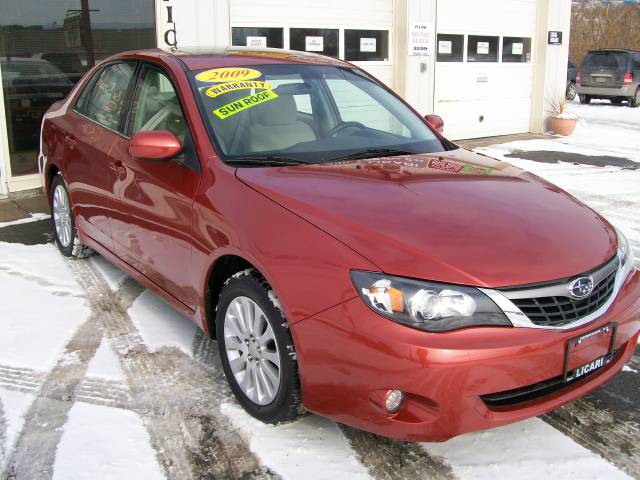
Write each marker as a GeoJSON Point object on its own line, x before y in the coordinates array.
{"type": "Point", "coordinates": [563, 126]}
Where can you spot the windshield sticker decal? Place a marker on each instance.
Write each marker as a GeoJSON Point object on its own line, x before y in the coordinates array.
{"type": "Point", "coordinates": [223, 88]}
{"type": "Point", "coordinates": [228, 74]}
{"type": "Point", "coordinates": [474, 170]}
{"type": "Point", "coordinates": [250, 101]}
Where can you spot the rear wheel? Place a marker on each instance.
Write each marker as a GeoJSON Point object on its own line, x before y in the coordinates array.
{"type": "Point", "coordinates": [616, 100]}
{"type": "Point", "coordinates": [256, 349]}
{"type": "Point", "coordinates": [634, 102]}
{"type": "Point", "coordinates": [585, 99]}
{"type": "Point", "coordinates": [63, 222]}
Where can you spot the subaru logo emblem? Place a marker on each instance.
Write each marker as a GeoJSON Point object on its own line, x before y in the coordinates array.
{"type": "Point", "coordinates": [581, 287]}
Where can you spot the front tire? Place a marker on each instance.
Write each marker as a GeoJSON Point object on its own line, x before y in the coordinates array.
{"type": "Point", "coordinates": [63, 222]}
{"type": "Point", "coordinates": [256, 349]}
{"type": "Point", "coordinates": [571, 91]}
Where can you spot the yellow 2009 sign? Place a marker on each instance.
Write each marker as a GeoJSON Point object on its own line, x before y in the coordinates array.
{"type": "Point", "coordinates": [228, 74]}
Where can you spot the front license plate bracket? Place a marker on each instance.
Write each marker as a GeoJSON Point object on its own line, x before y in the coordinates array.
{"type": "Point", "coordinates": [596, 363]}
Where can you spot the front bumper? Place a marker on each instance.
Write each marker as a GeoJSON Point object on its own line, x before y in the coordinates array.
{"type": "Point", "coordinates": [627, 91]}
{"type": "Point", "coordinates": [349, 356]}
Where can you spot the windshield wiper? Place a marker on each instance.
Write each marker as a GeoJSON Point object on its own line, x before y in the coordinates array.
{"type": "Point", "coordinates": [265, 161]}
{"type": "Point", "coordinates": [373, 153]}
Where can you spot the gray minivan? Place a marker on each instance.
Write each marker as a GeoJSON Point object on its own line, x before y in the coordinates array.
{"type": "Point", "coordinates": [612, 74]}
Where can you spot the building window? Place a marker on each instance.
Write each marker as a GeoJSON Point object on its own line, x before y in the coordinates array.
{"type": "Point", "coordinates": [516, 50]}
{"type": "Point", "coordinates": [450, 48]}
{"type": "Point", "coordinates": [316, 40]}
{"type": "Point", "coordinates": [481, 48]}
{"type": "Point", "coordinates": [257, 37]}
{"type": "Point", "coordinates": [366, 45]}
{"type": "Point", "coordinates": [42, 56]}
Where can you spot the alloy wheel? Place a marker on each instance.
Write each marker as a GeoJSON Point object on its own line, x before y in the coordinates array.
{"type": "Point", "coordinates": [62, 216]}
{"type": "Point", "coordinates": [252, 350]}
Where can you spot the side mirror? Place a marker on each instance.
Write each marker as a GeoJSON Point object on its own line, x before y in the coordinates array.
{"type": "Point", "coordinates": [436, 122]}
{"type": "Point", "coordinates": [154, 145]}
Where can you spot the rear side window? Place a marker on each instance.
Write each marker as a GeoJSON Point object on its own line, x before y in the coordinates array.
{"type": "Point", "coordinates": [107, 100]}
{"type": "Point", "coordinates": [604, 60]}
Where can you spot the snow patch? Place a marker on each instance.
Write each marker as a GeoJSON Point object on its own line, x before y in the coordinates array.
{"type": "Point", "coordinates": [105, 443]}
{"type": "Point", "coordinates": [161, 325]}
{"type": "Point", "coordinates": [275, 301]}
{"type": "Point", "coordinates": [105, 364]}
{"type": "Point", "coordinates": [13, 407]}
{"type": "Point", "coordinates": [111, 274]}
{"type": "Point", "coordinates": [627, 368]}
{"type": "Point", "coordinates": [526, 450]}
{"type": "Point", "coordinates": [38, 315]}
{"type": "Point", "coordinates": [310, 448]}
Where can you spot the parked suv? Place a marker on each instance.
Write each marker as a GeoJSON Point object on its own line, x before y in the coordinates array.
{"type": "Point", "coordinates": [613, 74]}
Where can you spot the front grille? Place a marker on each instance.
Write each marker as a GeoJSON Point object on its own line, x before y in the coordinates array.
{"type": "Point", "coordinates": [558, 311]}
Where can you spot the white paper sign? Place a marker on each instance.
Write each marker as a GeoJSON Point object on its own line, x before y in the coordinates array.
{"type": "Point", "coordinates": [314, 44]}
{"type": "Point", "coordinates": [445, 47]}
{"type": "Point", "coordinates": [368, 45]}
{"type": "Point", "coordinates": [420, 38]}
{"type": "Point", "coordinates": [482, 48]}
{"type": "Point", "coordinates": [257, 42]}
{"type": "Point", "coordinates": [517, 49]}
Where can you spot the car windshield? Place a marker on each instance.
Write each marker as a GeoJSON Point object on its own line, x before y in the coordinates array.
{"type": "Point", "coordinates": [307, 114]}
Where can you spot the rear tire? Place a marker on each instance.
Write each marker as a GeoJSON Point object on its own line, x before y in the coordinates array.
{"type": "Point", "coordinates": [264, 377]}
{"type": "Point", "coordinates": [634, 102]}
{"type": "Point", "coordinates": [585, 99]}
{"type": "Point", "coordinates": [63, 222]}
{"type": "Point", "coordinates": [616, 101]}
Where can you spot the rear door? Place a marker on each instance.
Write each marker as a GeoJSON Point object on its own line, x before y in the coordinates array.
{"type": "Point", "coordinates": [604, 69]}
{"type": "Point", "coordinates": [152, 225]}
{"type": "Point", "coordinates": [95, 125]}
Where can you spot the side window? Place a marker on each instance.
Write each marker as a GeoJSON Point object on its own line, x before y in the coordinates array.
{"type": "Point", "coordinates": [156, 105]}
{"type": "Point", "coordinates": [109, 94]}
{"type": "Point", "coordinates": [355, 105]}
{"type": "Point", "coordinates": [81, 103]}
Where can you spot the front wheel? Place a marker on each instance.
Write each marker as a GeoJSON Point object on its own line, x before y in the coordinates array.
{"type": "Point", "coordinates": [256, 349]}
{"type": "Point", "coordinates": [63, 222]}
{"type": "Point", "coordinates": [571, 91]}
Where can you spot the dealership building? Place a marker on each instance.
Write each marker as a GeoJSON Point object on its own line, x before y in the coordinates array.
{"type": "Point", "coordinates": [487, 67]}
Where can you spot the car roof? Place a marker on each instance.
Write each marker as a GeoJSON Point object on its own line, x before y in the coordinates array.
{"type": "Point", "coordinates": [198, 58]}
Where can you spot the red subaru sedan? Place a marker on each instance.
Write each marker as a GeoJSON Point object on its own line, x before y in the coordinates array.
{"type": "Point", "coordinates": [349, 259]}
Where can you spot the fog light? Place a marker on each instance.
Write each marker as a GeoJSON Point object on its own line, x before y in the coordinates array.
{"type": "Point", "coordinates": [394, 401]}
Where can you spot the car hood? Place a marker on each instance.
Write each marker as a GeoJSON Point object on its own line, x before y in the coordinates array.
{"type": "Point", "coordinates": [456, 216]}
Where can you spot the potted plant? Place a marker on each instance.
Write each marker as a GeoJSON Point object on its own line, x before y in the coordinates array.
{"type": "Point", "coordinates": [561, 121]}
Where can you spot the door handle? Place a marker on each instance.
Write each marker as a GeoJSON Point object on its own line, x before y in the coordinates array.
{"type": "Point", "coordinates": [70, 141]}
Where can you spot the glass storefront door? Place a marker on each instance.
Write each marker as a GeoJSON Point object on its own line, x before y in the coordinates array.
{"type": "Point", "coordinates": [46, 47]}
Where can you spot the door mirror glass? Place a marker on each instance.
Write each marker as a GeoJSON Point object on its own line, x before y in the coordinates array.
{"type": "Point", "coordinates": [436, 122]}
{"type": "Point", "coordinates": [155, 145]}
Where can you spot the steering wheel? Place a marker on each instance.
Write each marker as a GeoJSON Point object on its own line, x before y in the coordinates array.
{"type": "Point", "coordinates": [342, 126]}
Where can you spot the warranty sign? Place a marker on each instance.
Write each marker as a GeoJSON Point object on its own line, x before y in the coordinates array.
{"type": "Point", "coordinates": [245, 103]}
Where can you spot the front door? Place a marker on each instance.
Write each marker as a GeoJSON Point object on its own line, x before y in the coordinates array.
{"type": "Point", "coordinates": [152, 228]}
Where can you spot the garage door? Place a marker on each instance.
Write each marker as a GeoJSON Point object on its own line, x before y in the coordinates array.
{"type": "Point", "coordinates": [359, 31]}
{"type": "Point", "coordinates": [484, 69]}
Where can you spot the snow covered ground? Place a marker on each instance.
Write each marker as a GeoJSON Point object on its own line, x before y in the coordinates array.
{"type": "Point", "coordinates": [101, 379]}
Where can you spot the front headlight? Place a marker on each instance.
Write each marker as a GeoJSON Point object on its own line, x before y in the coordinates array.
{"type": "Point", "coordinates": [625, 254]}
{"type": "Point", "coordinates": [429, 306]}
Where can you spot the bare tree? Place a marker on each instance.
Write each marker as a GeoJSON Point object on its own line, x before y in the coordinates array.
{"type": "Point", "coordinates": [603, 25]}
